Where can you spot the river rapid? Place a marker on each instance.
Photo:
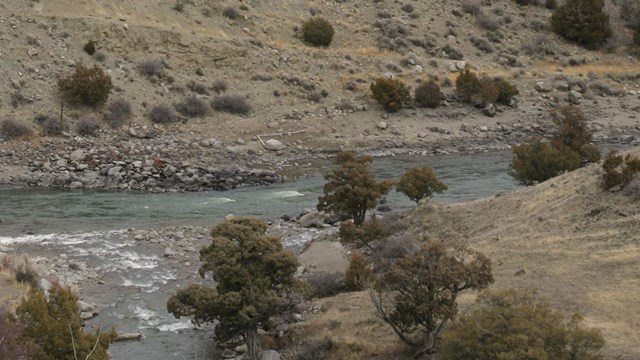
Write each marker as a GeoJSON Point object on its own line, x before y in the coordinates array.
{"type": "Point", "coordinates": [129, 273]}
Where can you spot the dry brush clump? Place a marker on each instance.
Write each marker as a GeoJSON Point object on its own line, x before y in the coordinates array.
{"type": "Point", "coordinates": [12, 128]}
{"type": "Point", "coordinates": [619, 170]}
{"type": "Point", "coordinates": [162, 114]}
{"type": "Point", "coordinates": [86, 86]}
{"type": "Point", "coordinates": [118, 112]}
{"type": "Point", "coordinates": [50, 125]}
{"type": "Point", "coordinates": [428, 94]}
{"type": "Point", "coordinates": [392, 94]}
{"type": "Point", "coordinates": [193, 106]}
{"type": "Point", "coordinates": [325, 284]}
{"type": "Point", "coordinates": [152, 68]}
{"type": "Point", "coordinates": [584, 22]}
{"type": "Point", "coordinates": [87, 126]}
{"type": "Point", "coordinates": [233, 104]}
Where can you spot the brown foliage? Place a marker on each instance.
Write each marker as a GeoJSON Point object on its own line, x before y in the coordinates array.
{"type": "Point", "coordinates": [359, 273]}
{"type": "Point", "coordinates": [392, 94]}
{"type": "Point", "coordinates": [420, 183]}
{"type": "Point", "coordinates": [619, 170]}
{"type": "Point", "coordinates": [87, 86]}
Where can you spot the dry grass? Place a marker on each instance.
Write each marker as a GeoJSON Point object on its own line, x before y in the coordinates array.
{"type": "Point", "coordinates": [610, 67]}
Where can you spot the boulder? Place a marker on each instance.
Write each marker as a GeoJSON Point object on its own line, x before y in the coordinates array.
{"type": "Point", "coordinates": [274, 145]}
{"type": "Point", "coordinates": [489, 110]}
{"type": "Point", "coordinates": [574, 97]}
{"type": "Point", "coordinates": [382, 125]}
{"type": "Point", "coordinates": [544, 86]}
{"type": "Point", "coordinates": [313, 219]}
{"type": "Point", "coordinates": [77, 155]}
{"type": "Point", "coordinates": [270, 355]}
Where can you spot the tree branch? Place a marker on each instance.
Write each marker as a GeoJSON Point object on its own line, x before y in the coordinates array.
{"type": "Point", "coordinates": [73, 343]}
{"type": "Point", "coordinates": [94, 345]}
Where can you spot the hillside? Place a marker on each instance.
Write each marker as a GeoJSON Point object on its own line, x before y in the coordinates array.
{"type": "Point", "coordinates": [575, 243]}
{"type": "Point", "coordinates": [311, 99]}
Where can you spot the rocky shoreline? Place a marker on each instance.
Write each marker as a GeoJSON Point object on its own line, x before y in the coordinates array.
{"type": "Point", "coordinates": [170, 163]}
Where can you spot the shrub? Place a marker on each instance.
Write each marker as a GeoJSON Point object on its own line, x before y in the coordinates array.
{"type": "Point", "coordinates": [87, 86]}
{"type": "Point", "coordinates": [488, 21]}
{"type": "Point", "coordinates": [317, 32]}
{"type": "Point", "coordinates": [118, 111]}
{"type": "Point", "coordinates": [324, 284]}
{"type": "Point", "coordinates": [179, 6]}
{"type": "Point", "coordinates": [481, 44]}
{"type": "Point", "coordinates": [420, 183]}
{"type": "Point", "coordinates": [90, 47]}
{"type": "Point", "coordinates": [361, 235]}
{"type": "Point", "coordinates": [11, 128]}
{"type": "Point", "coordinates": [25, 272]}
{"type": "Point", "coordinates": [151, 68]}
{"type": "Point", "coordinates": [53, 321]}
{"type": "Point", "coordinates": [233, 104]}
{"type": "Point", "coordinates": [18, 98]}
{"type": "Point", "coordinates": [536, 161]}
{"type": "Point", "coordinates": [51, 125]}
{"type": "Point", "coordinates": [506, 91]}
{"type": "Point", "coordinates": [14, 344]}
{"type": "Point", "coordinates": [87, 126]}
{"type": "Point", "coordinates": [390, 93]}
{"type": "Point", "coordinates": [162, 114]}
{"type": "Point", "coordinates": [359, 273]}
{"type": "Point", "coordinates": [551, 4]}
{"type": "Point", "coordinates": [630, 12]}
{"type": "Point", "coordinates": [583, 22]}
{"type": "Point", "coordinates": [636, 35]}
{"type": "Point", "coordinates": [219, 86]}
{"type": "Point", "coordinates": [192, 106]}
{"type": "Point", "coordinates": [230, 12]}
{"type": "Point", "coordinates": [509, 323]}
{"type": "Point", "coordinates": [467, 85]}
{"type": "Point", "coordinates": [488, 91]}
{"type": "Point", "coordinates": [471, 7]}
{"type": "Point", "coordinates": [197, 87]}
{"type": "Point", "coordinates": [572, 132]}
{"type": "Point", "coordinates": [428, 94]}
{"type": "Point", "coordinates": [619, 170]}
{"type": "Point", "coordinates": [408, 8]}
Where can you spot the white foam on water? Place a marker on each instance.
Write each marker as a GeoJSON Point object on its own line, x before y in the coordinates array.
{"type": "Point", "coordinates": [144, 314]}
{"type": "Point", "coordinates": [59, 239]}
{"type": "Point", "coordinates": [127, 283]}
{"type": "Point", "coordinates": [176, 326]}
{"type": "Point", "coordinates": [218, 200]}
{"type": "Point", "coordinates": [283, 194]}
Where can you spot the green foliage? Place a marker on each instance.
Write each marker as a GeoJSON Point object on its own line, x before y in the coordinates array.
{"type": "Point", "coordinates": [536, 161]}
{"type": "Point", "coordinates": [254, 279]}
{"type": "Point", "coordinates": [514, 324]}
{"type": "Point", "coordinates": [572, 132]}
{"type": "Point", "coordinates": [90, 47]}
{"type": "Point", "coordinates": [317, 32]}
{"type": "Point", "coordinates": [619, 170]}
{"type": "Point", "coordinates": [488, 91]}
{"type": "Point", "coordinates": [428, 94]}
{"type": "Point", "coordinates": [352, 189]}
{"type": "Point", "coordinates": [54, 324]}
{"type": "Point", "coordinates": [87, 86]}
{"type": "Point", "coordinates": [583, 22]}
{"type": "Point", "coordinates": [417, 295]}
{"type": "Point", "coordinates": [569, 149]}
{"type": "Point", "coordinates": [359, 273]}
{"type": "Point", "coordinates": [363, 234]}
{"type": "Point", "coordinates": [506, 91]}
{"type": "Point", "coordinates": [14, 345]}
{"type": "Point", "coordinates": [392, 94]}
{"type": "Point", "coordinates": [467, 85]}
{"type": "Point", "coordinates": [419, 183]}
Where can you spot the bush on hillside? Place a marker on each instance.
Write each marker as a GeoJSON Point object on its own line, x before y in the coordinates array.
{"type": "Point", "coordinates": [90, 47]}
{"type": "Point", "coordinates": [51, 125]}
{"type": "Point", "coordinates": [359, 273]}
{"type": "Point", "coordinates": [536, 162]}
{"type": "Point", "coordinates": [233, 104]}
{"type": "Point", "coordinates": [317, 32]}
{"type": "Point", "coordinates": [11, 128]}
{"type": "Point", "coordinates": [325, 284]}
{"type": "Point", "coordinates": [428, 94]}
{"type": "Point", "coordinates": [583, 22]}
{"type": "Point", "coordinates": [192, 106]}
{"type": "Point", "coordinates": [118, 112]}
{"type": "Point", "coordinates": [392, 94]}
{"type": "Point", "coordinates": [87, 126]}
{"type": "Point", "coordinates": [162, 114]}
{"type": "Point", "coordinates": [467, 85]}
{"type": "Point", "coordinates": [151, 68]}
{"type": "Point", "coordinates": [14, 345]}
{"type": "Point", "coordinates": [506, 91]}
{"type": "Point", "coordinates": [230, 12]}
{"type": "Point", "coordinates": [420, 183]}
{"type": "Point", "coordinates": [488, 91]}
{"type": "Point", "coordinates": [513, 324]}
{"type": "Point", "coordinates": [86, 86]}
{"type": "Point", "coordinates": [572, 132]}
{"type": "Point", "coordinates": [619, 170]}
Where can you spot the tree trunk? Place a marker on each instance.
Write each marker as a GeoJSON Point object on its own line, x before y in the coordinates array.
{"type": "Point", "coordinates": [254, 348]}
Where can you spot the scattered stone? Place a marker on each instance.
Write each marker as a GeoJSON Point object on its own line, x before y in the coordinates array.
{"type": "Point", "coordinates": [274, 145]}
{"type": "Point", "coordinates": [489, 110]}
{"type": "Point", "coordinates": [544, 86]}
{"type": "Point", "coordinates": [574, 97]}
{"type": "Point", "coordinates": [313, 219]}
{"type": "Point", "coordinates": [382, 125]}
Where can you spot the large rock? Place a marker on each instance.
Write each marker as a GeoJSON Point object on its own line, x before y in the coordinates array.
{"type": "Point", "coordinates": [489, 110]}
{"type": "Point", "coordinates": [544, 86]}
{"type": "Point", "coordinates": [77, 155]}
{"type": "Point", "coordinates": [574, 97]}
{"type": "Point", "coordinates": [270, 355]}
{"type": "Point", "coordinates": [312, 219]}
{"type": "Point", "coordinates": [274, 145]}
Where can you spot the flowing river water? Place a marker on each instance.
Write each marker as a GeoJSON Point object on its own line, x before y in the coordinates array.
{"type": "Point", "coordinates": [135, 278]}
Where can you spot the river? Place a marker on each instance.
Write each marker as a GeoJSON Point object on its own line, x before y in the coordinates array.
{"type": "Point", "coordinates": [89, 227]}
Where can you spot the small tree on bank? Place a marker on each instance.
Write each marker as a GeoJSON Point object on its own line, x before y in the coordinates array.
{"type": "Point", "coordinates": [583, 22]}
{"type": "Point", "coordinates": [254, 278]}
{"type": "Point", "coordinates": [419, 183]}
{"type": "Point", "coordinates": [352, 189]}
{"type": "Point", "coordinates": [417, 295]}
